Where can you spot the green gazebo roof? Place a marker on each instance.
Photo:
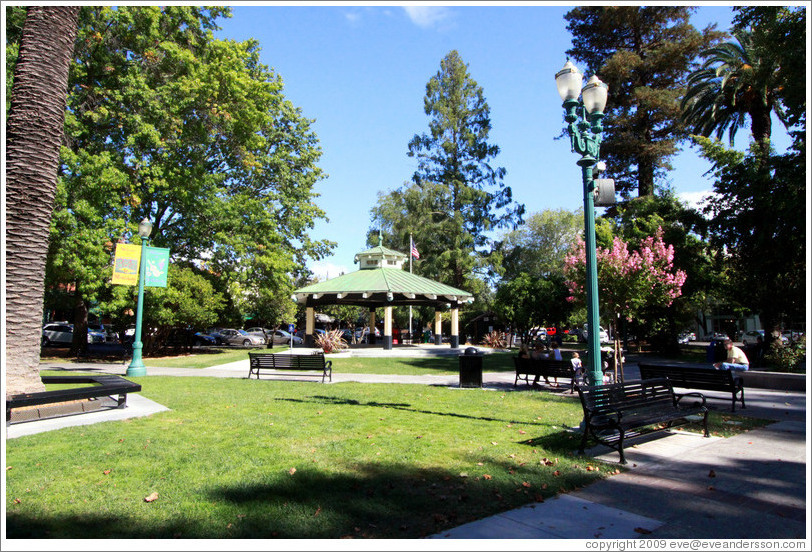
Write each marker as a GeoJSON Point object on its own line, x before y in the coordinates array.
{"type": "Point", "coordinates": [380, 287]}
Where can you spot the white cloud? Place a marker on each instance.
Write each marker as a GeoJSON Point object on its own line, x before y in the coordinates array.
{"type": "Point", "coordinates": [427, 16]}
{"type": "Point", "coordinates": [324, 270]}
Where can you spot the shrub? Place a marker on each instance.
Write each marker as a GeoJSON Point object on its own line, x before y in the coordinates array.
{"type": "Point", "coordinates": [495, 340]}
{"type": "Point", "coordinates": [331, 342]}
{"type": "Point", "coordinates": [790, 357]}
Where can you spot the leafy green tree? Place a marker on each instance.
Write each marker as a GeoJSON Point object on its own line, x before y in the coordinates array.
{"type": "Point", "coordinates": [538, 246]}
{"type": "Point", "coordinates": [188, 301]}
{"type": "Point", "coordinates": [643, 53]}
{"type": "Point", "coordinates": [758, 217]}
{"type": "Point", "coordinates": [457, 196]}
{"type": "Point", "coordinates": [528, 301]}
{"type": "Point", "coordinates": [167, 123]}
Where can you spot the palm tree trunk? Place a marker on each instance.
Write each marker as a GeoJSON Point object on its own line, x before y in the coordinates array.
{"type": "Point", "coordinates": [33, 136]}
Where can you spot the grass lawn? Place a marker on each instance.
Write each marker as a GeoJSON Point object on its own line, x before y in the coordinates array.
{"type": "Point", "coordinates": [238, 458]}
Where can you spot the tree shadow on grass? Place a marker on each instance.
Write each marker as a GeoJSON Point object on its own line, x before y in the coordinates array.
{"type": "Point", "coordinates": [324, 399]}
{"type": "Point", "coordinates": [367, 500]}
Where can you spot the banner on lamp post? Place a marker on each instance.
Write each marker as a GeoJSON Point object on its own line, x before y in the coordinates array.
{"type": "Point", "coordinates": [156, 266]}
{"type": "Point", "coordinates": [125, 267]}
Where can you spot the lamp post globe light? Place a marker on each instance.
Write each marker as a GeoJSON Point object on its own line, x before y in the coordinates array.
{"type": "Point", "coordinates": [584, 118]}
{"type": "Point", "coordinates": [136, 367]}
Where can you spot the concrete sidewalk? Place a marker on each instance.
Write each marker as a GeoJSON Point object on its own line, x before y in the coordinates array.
{"type": "Point", "coordinates": [679, 485]}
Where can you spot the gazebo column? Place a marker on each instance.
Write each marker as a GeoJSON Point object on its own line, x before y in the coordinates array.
{"type": "Point", "coordinates": [455, 328]}
{"type": "Point", "coordinates": [387, 328]}
{"type": "Point", "coordinates": [371, 336]}
{"type": "Point", "coordinates": [310, 327]}
{"type": "Point", "coordinates": [438, 328]}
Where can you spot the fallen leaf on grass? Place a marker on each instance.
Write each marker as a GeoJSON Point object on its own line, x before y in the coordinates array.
{"type": "Point", "coordinates": [494, 443]}
{"type": "Point", "coordinates": [17, 501]}
{"type": "Point", "coordinates": [526, 484]}
{"type": "Point", "coordinates": [522, 432]}
{"type": "Point", "coordinates": [642, 531]}
{"type": "Point", "coordinates": [292, 471]}
{"type": "Point", "coordinates": [486, 476]}
{"type": "Point", "coordinates": [556, 473]}
{"type": "Point", "coordinates": [9, 467]}
{"type": "Point", "coordinates": [107, 472]}
{"type": "Point", "coordinates": [151, 498]}
{"type": "Point", "coordinates": [318, 511]}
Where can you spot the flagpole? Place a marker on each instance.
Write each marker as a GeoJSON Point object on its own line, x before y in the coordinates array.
{"type": "Point", "coordinates": [411, 248]}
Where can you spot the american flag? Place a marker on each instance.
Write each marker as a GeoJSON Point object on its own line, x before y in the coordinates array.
{"type": "Point", "coordinates": [415, 254]}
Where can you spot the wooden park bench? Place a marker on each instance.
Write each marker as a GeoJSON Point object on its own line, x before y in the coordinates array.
{"type": "Point", "coordinates": [707, 379]}
{"type": "Point", "coordinates": [291, 362]}
{"type": "Point", "coordinates": [99, 386]}
{"type": "Point", "coordinates": [618, 411]}
{"type": "Point", "coordinates": [546, 368]}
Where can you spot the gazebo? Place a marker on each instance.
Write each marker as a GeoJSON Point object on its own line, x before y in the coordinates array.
{"type": "Point", "coordinates": [381, 282]}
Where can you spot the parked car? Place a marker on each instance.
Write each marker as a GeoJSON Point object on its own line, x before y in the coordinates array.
{"type": "Point", "coordinates": [264, 333]}
{"type": "Point", "coordinates": [281, 337]}
{"type": "Point", "coordinates": [361, 334]}
{"type": "Point", "coordinates": [717, 336]}
{"type": "Point", "coordinates": [109, 335]}
{"type": "Point", "coordinates": [604, 335]}
{"type": "Point", "coordinates": [240, 337]}
{"type": "Point", "coordinates": [301, 333]}
{"type": "Point", "coordinates": [61, 333]}
{"type": "Point", "coordinates": [218, 338]}
{"type": "Point", "coordinates": [683, 339]}
{"type": "Point", "coordinates": [202, 339]}
{"type": "Point", "coordinates": [751, 337]}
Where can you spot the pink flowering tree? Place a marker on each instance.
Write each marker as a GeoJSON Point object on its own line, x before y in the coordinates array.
{"type": "Point", "coordinates": [628, 281]}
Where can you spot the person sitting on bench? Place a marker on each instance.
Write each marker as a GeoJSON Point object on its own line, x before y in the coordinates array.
{"type": "Point", "coordinates": [736, 359]}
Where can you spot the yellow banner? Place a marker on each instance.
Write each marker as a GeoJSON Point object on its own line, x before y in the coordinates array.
{"type": "Point", "coordinates": [125, 269]}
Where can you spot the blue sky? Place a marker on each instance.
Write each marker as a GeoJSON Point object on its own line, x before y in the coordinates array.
{"type": "Point", "coordinates": [360, 71]}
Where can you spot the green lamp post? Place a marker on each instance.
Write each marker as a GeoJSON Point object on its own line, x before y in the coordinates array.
{"type": "Point", "coordinates": [136, 367]}
{"type": "Point", "coordinates": [584, 118]}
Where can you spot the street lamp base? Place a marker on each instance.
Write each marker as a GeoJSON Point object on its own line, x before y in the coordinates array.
{"type": "Point", "coordinates": [136, 371]}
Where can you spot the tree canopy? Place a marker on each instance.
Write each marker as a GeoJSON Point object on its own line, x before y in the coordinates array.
{"type": "Point", "coordinates": [644, 54]}
{"type": "Point", "coordinates": [167, 123]}
{"type": "Point", "coordinates": [457, 195]}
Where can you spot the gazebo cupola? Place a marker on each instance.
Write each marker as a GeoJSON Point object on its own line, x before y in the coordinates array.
{"type": "Point", "coordinates": [380, 257]}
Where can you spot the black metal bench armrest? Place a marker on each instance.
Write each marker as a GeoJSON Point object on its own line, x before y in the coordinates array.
{"type": "Point", "coordinates": [679, 396]}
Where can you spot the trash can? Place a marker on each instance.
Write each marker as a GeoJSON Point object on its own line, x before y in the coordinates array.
{"type": "Point", "coordinates": [471, 368]}
{"type": "Point", "coordinates": [716, 351]}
